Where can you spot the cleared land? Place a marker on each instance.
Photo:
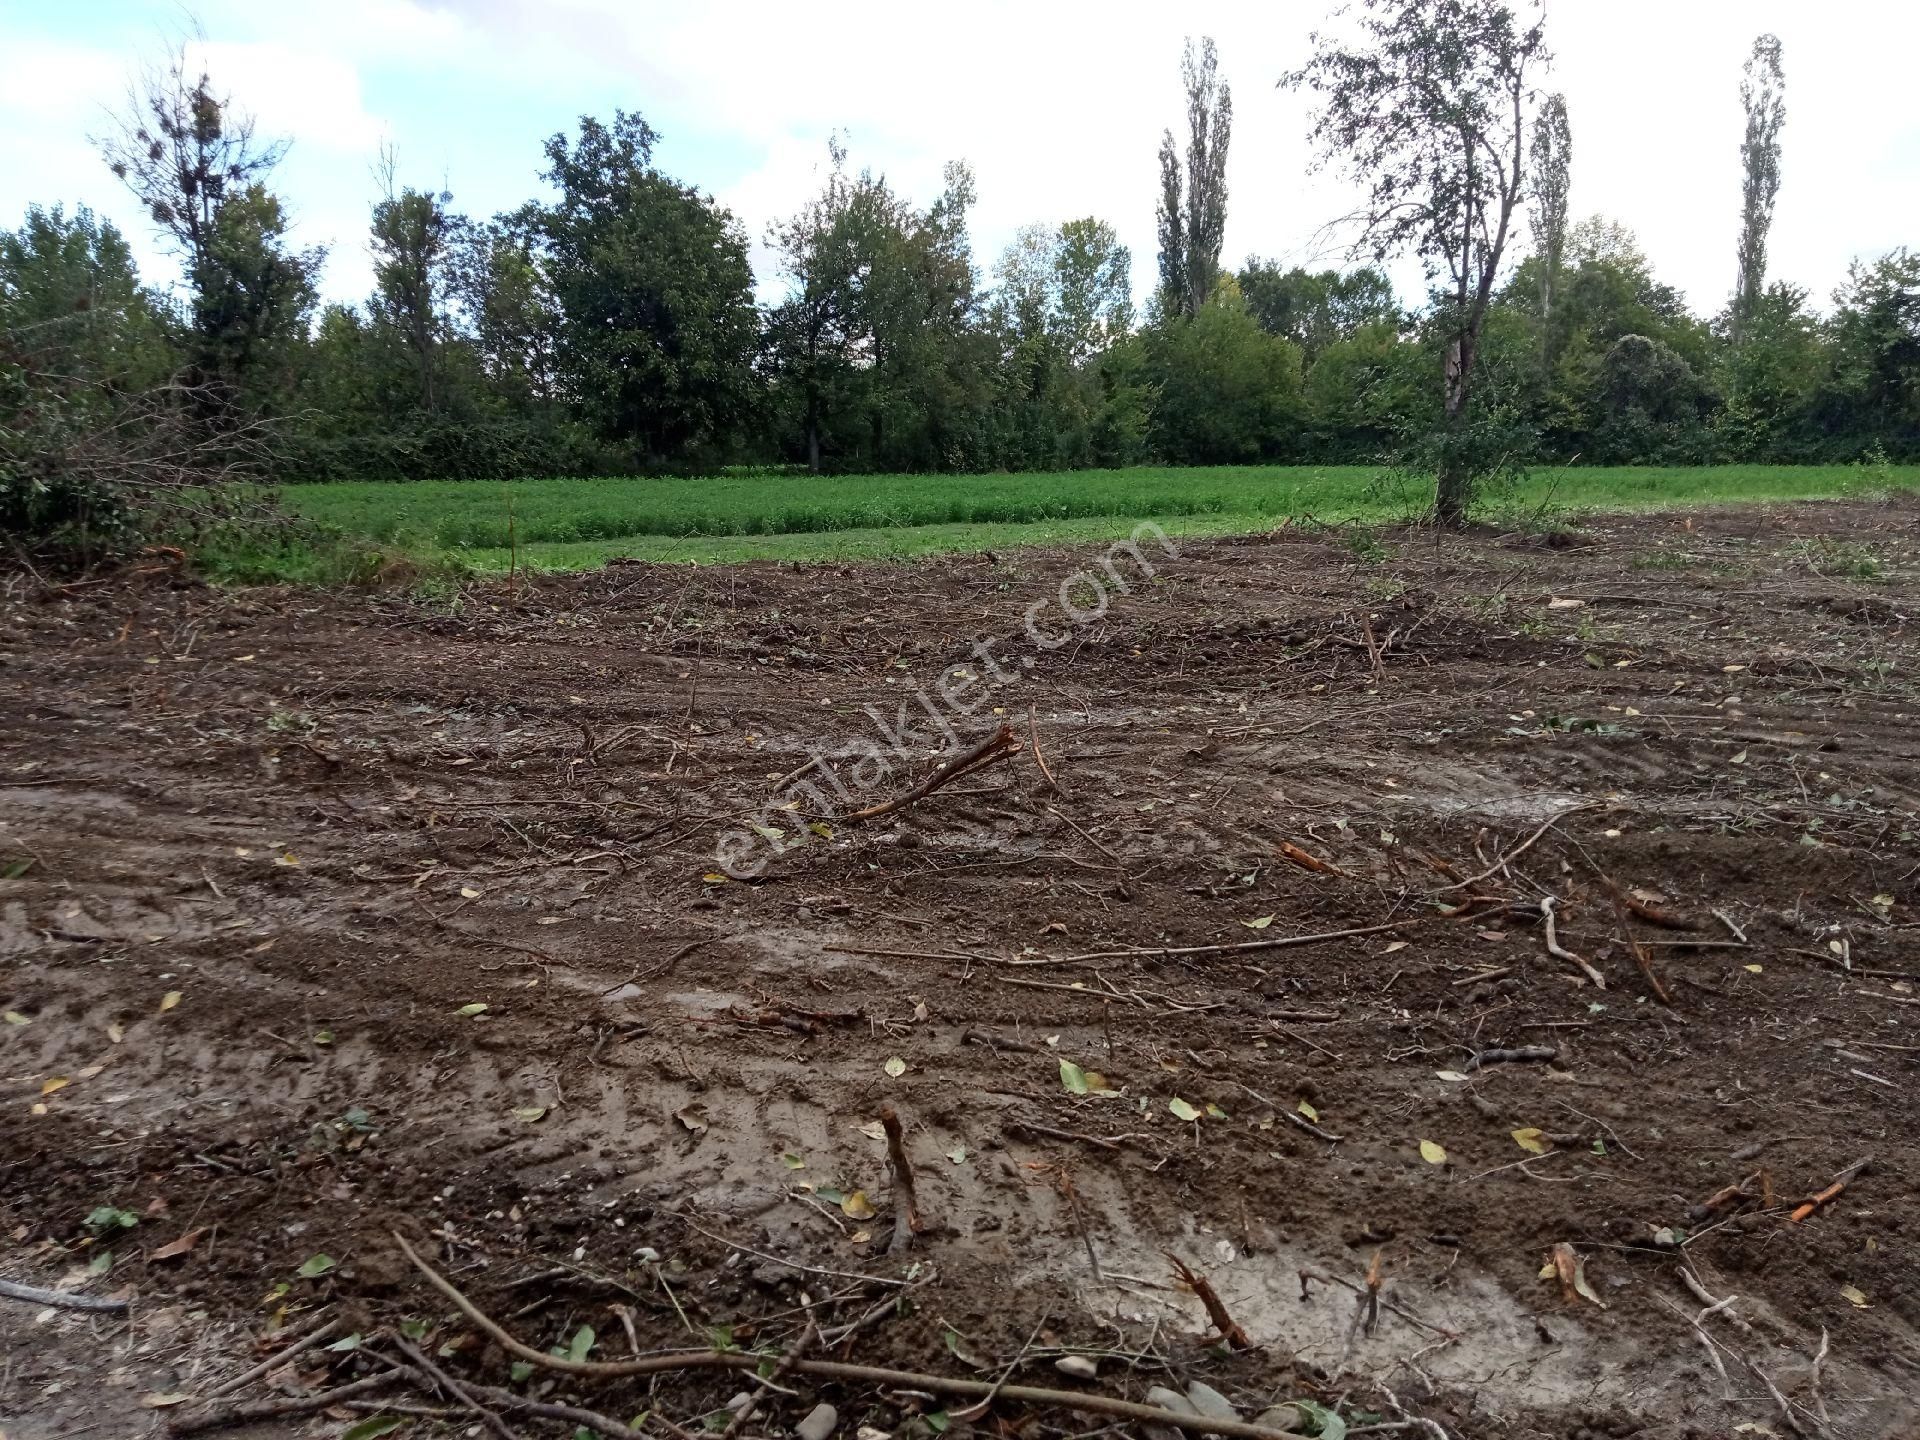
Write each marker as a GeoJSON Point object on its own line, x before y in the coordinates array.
{"type": "Point", "coordinates": [265, 852]}
{"type": "Point", "coordinates": [576, 523]}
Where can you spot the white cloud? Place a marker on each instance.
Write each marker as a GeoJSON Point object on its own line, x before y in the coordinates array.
{"type": "Point", "coordinates": [1058, 108]}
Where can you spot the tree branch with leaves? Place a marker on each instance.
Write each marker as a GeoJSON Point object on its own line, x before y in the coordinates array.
{"type": "Point", "coordinates": [1428, 109]}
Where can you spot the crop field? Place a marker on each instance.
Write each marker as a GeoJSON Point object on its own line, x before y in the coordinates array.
{"type": "Point", "coordinates": [565, 523]}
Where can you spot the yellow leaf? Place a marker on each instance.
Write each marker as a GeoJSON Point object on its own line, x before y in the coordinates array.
{"type": "Point", "coordinates": [169, 1000]}
{"type": "Point", "coordinates": [1308, 1111]}
{"type": "Point", "coordinates": [873, 1130]}
{"type": "Point", "coordinates": [1854, 1297]}
{"type": "Point", "coordinates": [857, 1207]}
{"type": "Point", "coordinates": [1182, 1110]}
{"type": "Point", "coordinates": [714, 877]}
{"type": "Point", "coordinates": [467, 892]}
{"type": "Point", "coordinates": [1259, 924]}
{"type": "Point", "coordinates": [529, 1114]}
{"type": "Point", "coordinates": [1754, 969]}
{"type": "Point", "coordinates": [1433, 1154]}
{"type": "Point", "coordinates": [289, 859]}
{"type": "Point", "coordinates": [896, 1067]}
{"type": "Point", "coordinates": [53, 1083]}
{"type": "Point", "coordinates": [1533, 1141]}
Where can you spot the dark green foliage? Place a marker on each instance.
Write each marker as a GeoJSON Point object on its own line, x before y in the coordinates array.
{"type": "Point", "coordinates": [657, 323]}
{"type": "Point", "coordinates": [1193, 205]}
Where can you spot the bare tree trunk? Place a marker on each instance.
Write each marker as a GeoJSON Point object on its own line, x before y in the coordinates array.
{"type": "Point", "coordinates": [1453, 482]}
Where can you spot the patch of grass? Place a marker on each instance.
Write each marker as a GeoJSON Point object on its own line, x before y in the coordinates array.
{"type": "Point", "coordinates": [1841, 558]}
{"type": "Point", "coordinates": [740, 515]}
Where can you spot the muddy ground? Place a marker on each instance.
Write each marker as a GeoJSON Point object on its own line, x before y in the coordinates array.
{"type": "Point", "coordinates": [266, 851]}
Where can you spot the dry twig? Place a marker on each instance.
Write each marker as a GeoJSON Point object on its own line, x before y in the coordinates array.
{"type": "Point", "coordinates": [833, 1370]}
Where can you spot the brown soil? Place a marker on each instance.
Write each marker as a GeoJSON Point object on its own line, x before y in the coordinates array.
{"type": "Point", "coordinates": [328, 822]}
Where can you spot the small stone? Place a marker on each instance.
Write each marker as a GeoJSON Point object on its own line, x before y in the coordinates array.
{"type": "Point", "coordinates": [1209, 1402]}
{"type": "Point", "coordinates": [1078, 1366]}
{"type": "Point", "coordinates": [819, 1424]}
{"type": "Point", "coordinates": [1171, 1400]}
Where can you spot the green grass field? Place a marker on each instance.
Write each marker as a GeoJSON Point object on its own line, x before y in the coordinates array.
{"type": "Point", "coordinates": [574, 523]}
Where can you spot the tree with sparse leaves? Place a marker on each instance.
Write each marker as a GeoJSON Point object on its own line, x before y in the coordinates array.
{"type": "Point", "coordinates": [1547, 186]}
{"type": "Point", "coordinates": [1429, 110]}
{"type": "Point", "coordinates": [193, 162]}
{"type": "Point", "coordinates": [1193, 198]}
{"type": "Point", "coordinates": [1763, 98]}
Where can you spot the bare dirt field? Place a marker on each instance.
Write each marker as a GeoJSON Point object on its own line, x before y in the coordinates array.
{"type": "Point", "coordinates": [266, 854]}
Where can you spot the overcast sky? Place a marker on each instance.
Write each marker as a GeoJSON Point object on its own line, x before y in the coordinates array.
{"type": "Point", "coordinates": [1058, 107]}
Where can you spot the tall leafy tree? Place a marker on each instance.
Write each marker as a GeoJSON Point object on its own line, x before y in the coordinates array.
{"type": "Point", "coordinates": [1193, 204]}
{"type": "Point", "coordinates": [1093, 280]}
{"type": "Point", "coordinates": [413, 243]}
{"type": "Point", "coordinates": [504, 300]}
{"type": "Point", "coordinates": [1315, 310]}
{"type": "Point", "coordinates": [658, 326]}
{"type": "Point", "coordinates": [1428, 111]}
{"type": "Point", "coordinates": [1548, 182]}
{"type": "Point", "coordinates": [1763, 98]}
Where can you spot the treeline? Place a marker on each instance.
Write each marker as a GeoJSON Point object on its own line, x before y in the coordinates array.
{"type": "Point", "coordinates": [614, 327]}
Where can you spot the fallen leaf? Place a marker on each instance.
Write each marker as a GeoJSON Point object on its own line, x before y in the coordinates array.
{"type": "Point", "coordinates": [175, 1248]}
{"type": "Point", "coordinates": [1755, 970]}
{"type": "Point", "coordinates": [169, 1000]}
{"type": "Point", "coordinates": [792, 1161]}
{"type": "Point", "coordinates": [873, 1130]}
{"type": "Point", "coordinates": [581, 1345]}
{"type": "Point", "coordinates": [323, 1037]}
{"type": "Point", "coordinates": [53, 1083]}
{"type": "Point", "coordinates": [1565, 604]}
{"type": "Point", "coordinates": [529, 1114]}
{"type": "Point", "coordinates": [374, 1428]}
{"type": "Point", "coordinates": [1260, 924]}
{"type": "Point", "coordinates": [14, 1017]}
{"type": "Point", "coordinates": [1182, 1110]}
{"type": "Point", "coordinates": [1432, 1153]}
{"type": "Point", "coordinates": [1566, 1263]}
{"type": "Point", "coordinates": [860, 1237]}
{"type": "Point", "coordinates": [714, 877]}
{"type": "Point", "coordinates": [159, 1401]}
{"type": "Point", "coordinates": [290, 860]}
{"type": "Point", "coordinates": [479, 1007]}
{"type": "Point", "coordinates": [896, 1067]}
{"type": "Point", "coordinates": [1073, 1078]}
{"type": "Point", "coordinates": [314, 1267]}
{"type": "Point", "coordinates": [1533, 1141]}
{"type": "Point", "coordinates": [958, 1155]}
{"type": "Point", "coordinates": [857, 1207]}
{"type": "Point", "coordinates": [1307, 1110]}
{"type": "Point", "coordinates": [1395, 946]}
{"type": "Point", "coordinates": [467, 892]}
{"type": "Point", "coordinates": [694, 1117]}
{"type": "Point", "coordinates": [1453, 1075]}
{"type": "Point", "coordinates": [1854, 1297]}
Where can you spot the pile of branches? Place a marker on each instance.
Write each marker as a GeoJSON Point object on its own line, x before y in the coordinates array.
{"type": "Point", "coordinates": [90, 472]}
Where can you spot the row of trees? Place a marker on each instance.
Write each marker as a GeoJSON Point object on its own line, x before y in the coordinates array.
{"type": "Point", "coordinates": [614, 325]}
